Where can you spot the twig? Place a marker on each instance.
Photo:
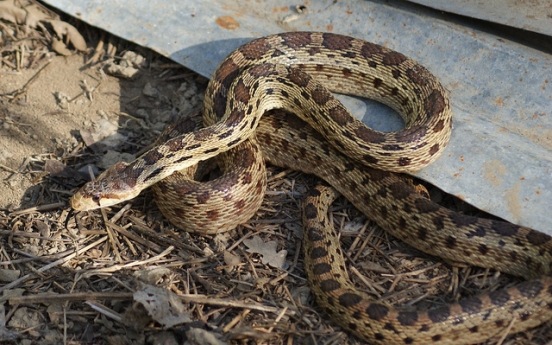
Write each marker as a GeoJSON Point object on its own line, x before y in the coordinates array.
{"type": "Point", "coordinates": [200, 299]}
{"type": "Point", "coordinates": [507, 331]}
{"type": "Point", "coordinates": [105, 310]}
{"type": "Point", "coordinates": [139, 121]}
{"type": "Point", "coordinates": [139, 226]}
{"type": "Point", "coordinates": [8, 169]}
{"type": "Point", "coordinates": [86, 91]}
{"type": "Point", "coordinates": [79, 296]}
{"type": "Point", "coordinates": [97, 51]}
{"type": "Point", "coordinates": [115, 244]}
{"type": "Point", "coordinates": [228, 303]}
{"type": "Point", "coordinates": [118, 267]}
{"type": "Point", "coordinates": [15, 94]}
{"type": "Point", "coordinates": [53, 264]}
{"type": "Point", "coordinates": [21, 168]}
{"type": "Point", "coordinates": [40, 208]}
{"type": "Point", "coordinates": [30, 235]}
{"type": "Point", "coordinates": [134, 237]}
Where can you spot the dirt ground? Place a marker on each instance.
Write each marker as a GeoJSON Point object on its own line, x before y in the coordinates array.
{"type": "Point", "coordinates": [125, 275]}
{"type": "Point", "coordinates": [67, 97]}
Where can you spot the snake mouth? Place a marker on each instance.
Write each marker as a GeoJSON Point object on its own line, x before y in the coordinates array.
{"type": "Point", "coordinates": [82, 202]}
{"type": "Point", "coordinates": [88, 201]}
{"type": "Point", "coordinates": [78, 202]}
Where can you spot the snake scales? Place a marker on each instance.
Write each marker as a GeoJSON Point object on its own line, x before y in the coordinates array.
{"type": "Point", "coordinates": [334, 146]}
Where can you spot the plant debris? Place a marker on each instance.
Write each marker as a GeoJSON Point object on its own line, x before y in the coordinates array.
{"type": "Point", "coordinates": [267, 251]}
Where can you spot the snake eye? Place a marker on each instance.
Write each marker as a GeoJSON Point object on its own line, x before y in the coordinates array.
{"type": "Point", "coordinates": [96, 199]}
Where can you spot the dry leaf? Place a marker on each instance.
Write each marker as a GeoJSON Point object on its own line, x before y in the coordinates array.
{"type": "Point", "coordinates": [66, 29]}
{"type": "Point", "coordinates": [6, 335]}
{"type": "Point", "coordinates": [31, 18]}
{"type": "Point", "coordinates": [105, 135]}
{"type": "Point", "coordinates": [35, 14]}
{"type": "Point", "coordinates": [267, 251]}
{"type": "Point", "coordinates": [11, 13]}
{"type": "Point", "coordinates": [203, 337]}
{"type": "Point", "coordinates": [354, 226]}
{"type": "Point", "coordinates": [231, 259]}
{"type": "Point", "coordinates": [39, 12]}
{"type": "Point", "coordinates": [162, 305]}
{"type": "Point", "coordinates": [55, 311]}
{"type": "Point", "coordinates": [372, 266]}
{"type": "Point", "coordinates": [60, 47]}
{"type": "Point", "coordinates": [58, 169]}
{"type": "Point", "coordinates": [154, 275]}
{"type": "Point", "coordinates": [7, 276]}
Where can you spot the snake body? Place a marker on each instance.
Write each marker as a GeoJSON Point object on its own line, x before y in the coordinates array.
{"type": "Point", "coordinates": [294, 71]}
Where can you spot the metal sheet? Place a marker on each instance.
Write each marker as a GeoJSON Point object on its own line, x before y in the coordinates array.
{"type": "Point", "coordinates": [523, 14]}
{"type": "Point", "coordinates": [500, 155]}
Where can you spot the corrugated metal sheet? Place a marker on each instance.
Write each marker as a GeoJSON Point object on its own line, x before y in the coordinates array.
{"type": "Point", "coordinates": [500, 155]}
{"type": "Point", "coordinates": [531, 15]}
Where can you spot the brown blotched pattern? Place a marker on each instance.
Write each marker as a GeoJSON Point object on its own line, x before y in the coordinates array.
{"type": "Point", "coordinates": [296, 72]}
{"type": "Point", "coordinates": [395, 206]}
{"type": "Point", "coordinates": [469, 321]}
{"type": "Point", "coordinates": [238, 76]}
{"type": "Point", "coordinates": [241, 188]}
{"type": "Point", "coordinates": [372, 71]}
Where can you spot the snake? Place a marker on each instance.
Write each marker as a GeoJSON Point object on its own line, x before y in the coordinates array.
{"type": "Point", "coordinates": [271, 100]}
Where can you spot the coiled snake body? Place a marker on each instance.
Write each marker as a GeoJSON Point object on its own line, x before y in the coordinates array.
{"type": "Point", "coordinates": [275, 72]}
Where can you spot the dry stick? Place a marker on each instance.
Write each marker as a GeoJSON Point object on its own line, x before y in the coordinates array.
{"type": "Point", "coordinates": [357, 240]}
{"type": "Point", "coordinates": [86, 91]}
{"type": "Point", "coordinates": [507, 331]}
{"type": "Point", "coordinates": [139, 121]}
{"type": "Point", "coordinates": [105, 311]}
{"type": "Point", "coordinates": [235, 321]}
{"type": "Point", "coordinates": [111, 48]}
{"type": "Point", "coordinates": [40, 208]}
{"type": "Point", "coordinates": [98, 50]}
{"type": "Point", "coordinates": [79, 296]}
{"type": "Point", "coordinates": [135, 237]}
{"type": "Point", "coordinates": [298, 251]}
{"type": "Point", "coordinates": [141, 227]}
{"type": "Point", "coordinates": [21, 168]}
{"type": "Point", "coordinates": [53, 264]}
{"type": "Point", "coordinates": [199, 299]}
{"type": "Point", "coordinates": [21, 90]}
{"type": "Point", "coordinates": [45, 258]}
{"type": "Point", "coordinates": [115, 244]}
{"type": "Point", "coordinates": [120, 213]}
{"type": "Point", "coordinates": [8, 169]}
{"type": "Point", "coordinates": [227, 303]}
{"type": "Point", "coordinates": [152, 259]}
{"type": "Point", "coordinates": [374, 288]}
{"type": "Point", "coordinates": [30, 235]}
{"type": "Point", "coordinates": [278, 318]}
{"type": "Point", "coordinates": [118, 267]}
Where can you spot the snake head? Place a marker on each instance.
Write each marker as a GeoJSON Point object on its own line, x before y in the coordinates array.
{"type": "Point", "coordinates": [110, 188]}
{"type": "Point", "coordinates": [89, 197]}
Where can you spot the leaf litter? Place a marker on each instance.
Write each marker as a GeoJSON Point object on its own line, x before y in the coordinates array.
{"type": "Point", "coordinates": [267, 250]}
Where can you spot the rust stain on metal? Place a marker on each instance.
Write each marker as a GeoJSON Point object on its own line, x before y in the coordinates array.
{"type": "Point", "coordinates": [227, 22]}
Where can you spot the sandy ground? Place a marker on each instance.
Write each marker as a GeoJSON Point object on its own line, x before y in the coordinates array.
{"type": "Point", "coordinates": [45, 122]}
{"type": "Point", "coordinates": [37, 126]}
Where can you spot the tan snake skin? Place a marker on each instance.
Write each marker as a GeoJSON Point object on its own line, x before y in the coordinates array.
{"type": "Point", "coordinates": [373, 71]}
